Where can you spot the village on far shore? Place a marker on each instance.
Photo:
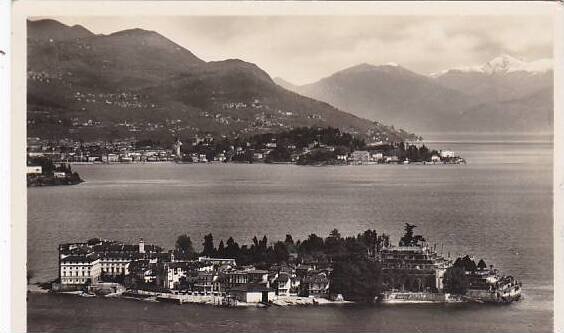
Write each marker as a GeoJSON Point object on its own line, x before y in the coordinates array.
{"type": "Point", "coordinates": [49, 161]}
{"type": "Point", "coordinates": [365, 268]}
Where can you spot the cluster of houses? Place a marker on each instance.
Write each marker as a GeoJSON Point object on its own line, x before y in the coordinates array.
{"type": "Point", "coordinates": [382, 154]}
{"type": "Point", "coordinates": [203, 150]}
{"type": "Point", "coordinates": [148, 267]}
{"type": "Point", "coordinates": [97, 152]}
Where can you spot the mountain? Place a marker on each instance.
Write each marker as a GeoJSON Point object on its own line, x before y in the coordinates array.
{"type": "Point", "coordinates": [504, 64]}
{"type": "Point", "coordinates": [501, 79]}
{"type": "Point", "coordinates": [504, 94]}
{"type": "Point", "coordinates": [51, 30]}
{"type": "Point", "coordinates": [512, 94]}
{"type": "Point", "coordinates": [391, 93]}
{"type": "Point", "coordinates": [530, 113]}
{"type": "Point", "coordinates": [137, 83]}
{"type": "Point", "coordinates": [285, 84]}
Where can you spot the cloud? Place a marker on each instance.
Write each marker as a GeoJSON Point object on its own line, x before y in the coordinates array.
{"type": "Point", "coordinates": [304, 49]}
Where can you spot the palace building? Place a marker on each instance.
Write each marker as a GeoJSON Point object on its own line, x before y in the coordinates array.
{"type": "Point", "coordinates": [412, 266]}
{"type": "Point", "coordinates": [87, 263]}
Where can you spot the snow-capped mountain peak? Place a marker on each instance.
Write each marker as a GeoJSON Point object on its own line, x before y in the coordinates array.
{"type": "Point", "coordinates": [503, 64]}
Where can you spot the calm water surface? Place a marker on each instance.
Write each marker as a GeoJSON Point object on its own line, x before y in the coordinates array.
{"type": "Point", "coordinates": [497, 207]}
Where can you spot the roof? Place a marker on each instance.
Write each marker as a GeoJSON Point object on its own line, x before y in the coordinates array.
{"type": "Point", "coordinates": [257, 271]}
{"type": "Point", "coordinates": [121, 255]}
{"type": "Point", "coordinates": [233, 272]}
{"type": "Point", "coordinates": [185, 264]}
{"type": "Point", "coordinates": [111, 246]}
{"type": "Point", "coordinates": [75, 251]}
{"type": "Point", "coordinates": [138, 265]}
{"type": "Point", "coordinates": [319, 278]}
{"type": "Point", "coordinates": [215, 259]}
{"type": "Point", "coordinates": [75, 258]}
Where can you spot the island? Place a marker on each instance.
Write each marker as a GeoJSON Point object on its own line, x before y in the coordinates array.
{"type": "Point", "coordinates": [365, 268]}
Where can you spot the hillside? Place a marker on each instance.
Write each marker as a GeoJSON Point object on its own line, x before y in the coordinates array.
{"type": "Point", "coordinates": [391, 93]}
{"type": "Point", "coordinates": [494, 96]}
{"type": "Point", "coordinates": [531, 113]}
{"type": "Point", "coordinates": [137, 83]}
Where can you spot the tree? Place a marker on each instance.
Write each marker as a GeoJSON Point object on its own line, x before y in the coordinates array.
{"type": "Point", "coordinates": [232, 250]}
{"type": "Point", "coordinates": [209, 249]}
{"type": "Point", "coordinates": [221, 249]}
{"type": "Point", "coordinates": [281, 252]}
{"type": "Point", "coordinates": [355, 248]}
{"type": "Point", "coordinates": [280, 154]}
{"type": "Point", "coordinates": [184, 246]}
{"type": "Point", "coordinates": [466, 263]}
{"type": "Point", "coordinates": [258, 250]}
{"type": "Point", "coordinates": [482, 264]}
{"type": "Point", "coordinates": [312, 244]}
{"type": "Point", "coordinates": [357, 279]}
{"type": "Point", "coordinates": [289, 239]}
{"type": "Point", "coordinates": [371, 241]}
{"type": "Point", "coordinates": [455, 281]}
{"type": "Point", "coordinates": [408, 238]}
{"type": "Point", "coordinates": [335, 234]}
{"type": "Point", "coordinates": [334, 246]}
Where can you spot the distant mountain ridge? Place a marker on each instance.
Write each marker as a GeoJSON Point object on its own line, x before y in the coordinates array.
{"type": "Point", "coordinates": [137, 83]}
{"type": "Point", "coordinates": [504, 64]}
{"type": "Point", "coordinates": [391, 93]}
{"type": "Point", "coordinates": [48, 29]}
{"type": "Point", "coordinates": [504, 94]}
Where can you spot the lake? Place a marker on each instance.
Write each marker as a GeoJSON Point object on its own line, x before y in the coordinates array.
{"type": "Point", "coordinates": [498, 207]}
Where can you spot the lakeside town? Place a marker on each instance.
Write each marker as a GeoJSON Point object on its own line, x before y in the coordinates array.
{"type": "Point", "coordinates": [365, 268]}
{"type": "Point", "coordinates": [49, 161]}
{"type": "Point", "coordinates": [300, 146]}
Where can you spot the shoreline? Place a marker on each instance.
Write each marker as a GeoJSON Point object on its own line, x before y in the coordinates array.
{"type": "Point", "coordinates": [263, 163]}
{"type": "Point", "coordinates": [281, 301]}
{"type": "Point", "coordinates": [209, 300]}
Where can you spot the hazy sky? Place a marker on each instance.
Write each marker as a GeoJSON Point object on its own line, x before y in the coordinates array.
{"type": "Point", "coordinates": [303, 49]}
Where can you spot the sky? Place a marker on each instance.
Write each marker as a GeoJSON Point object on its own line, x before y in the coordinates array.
{"type": "Point", "coordinates": [304, 49]}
